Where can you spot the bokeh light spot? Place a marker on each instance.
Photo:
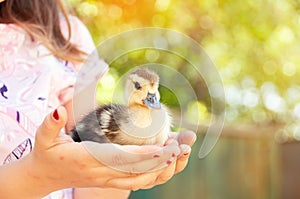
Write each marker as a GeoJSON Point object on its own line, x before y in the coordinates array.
{"type": "Point", "coordinates": [289, 69]}
{"type": "Point", "coordinates": [115, 12]}
{"type": "Point", "coordinates": [162, 5]}
{"type": "Point", "coordinates": [296, 110]}
{"type": "Point", "coordinates": [108, 82]}
{"type": "Point", "coordinates": [152, 55]}
{"type": "Point", "coordinates": [197, 110]}
{"type": "Point", "coordinates": [88, 9]}
{"type": "Point", "coordinates": [250, 97]}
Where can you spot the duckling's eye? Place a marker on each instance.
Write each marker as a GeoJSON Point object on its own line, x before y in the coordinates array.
{"type": "Point", "coordinates": [137, 85]}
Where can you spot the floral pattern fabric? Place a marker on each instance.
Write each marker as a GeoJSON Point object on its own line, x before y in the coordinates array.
{"type": "Point", "coordinates": [32, 84]}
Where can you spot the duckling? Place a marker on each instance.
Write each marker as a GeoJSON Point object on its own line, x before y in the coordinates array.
{"type": "Point", "coordinates": [143, 121]}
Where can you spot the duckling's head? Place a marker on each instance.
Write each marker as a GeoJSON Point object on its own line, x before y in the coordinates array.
{"type": "Point", "coordinates": [142, 89]}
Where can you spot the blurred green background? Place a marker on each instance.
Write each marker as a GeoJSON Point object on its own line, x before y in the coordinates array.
{"type": "Point", "coordinates": [255, 46]}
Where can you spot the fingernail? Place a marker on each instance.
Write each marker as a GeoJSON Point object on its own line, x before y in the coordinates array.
{"type": "Point", "coordinates": [156, 156]}
{"type": "Point", "coordinates": [55, 115]}
{"type": "Point", "coordinates": [169, 162]}
{"type": "Point", "coordinates": [185, 149]}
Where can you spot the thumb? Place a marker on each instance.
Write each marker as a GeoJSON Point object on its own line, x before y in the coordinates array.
{"type": "Point", "coordinates": [50, 128]}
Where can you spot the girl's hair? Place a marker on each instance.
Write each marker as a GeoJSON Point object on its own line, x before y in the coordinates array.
{"type": "Point", "coordinates": [41, 20]}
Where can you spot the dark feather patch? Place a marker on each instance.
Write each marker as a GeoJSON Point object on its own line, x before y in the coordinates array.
{"type": "Point", "coordinates": [75, 136]}
{"type": "Point", "coordinates": [93, 128]}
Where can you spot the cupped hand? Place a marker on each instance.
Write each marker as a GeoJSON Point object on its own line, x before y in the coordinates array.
{"type": "Point", "coordinates": [60, 163]}
{"type": "Point", "coordinates": [186, 139]}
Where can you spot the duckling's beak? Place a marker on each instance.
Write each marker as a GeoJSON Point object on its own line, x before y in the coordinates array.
{"type": "Point", "coordinates": [152, 102]}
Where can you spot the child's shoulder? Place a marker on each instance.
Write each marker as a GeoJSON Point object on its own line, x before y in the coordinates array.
{"type": "Point", "coordinates": [80, 35]}
{"type": "Point", "coordinates": [11, 37]}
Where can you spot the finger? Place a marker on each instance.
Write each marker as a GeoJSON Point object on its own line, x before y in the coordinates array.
{"type": "Point", "coordinates": [145, 180]}
{"type": "Point", "coordinates": [157, 162]}
{"type": "Point", "coordinates": [171, 158]}
{"type": "Point", "coordinates": [170, 140]}
{"type": "Point", "coordinates": [122, 158]}
{"type": "Point", "coordinates": [183, 158]}
{"type": "Point", "coordinates": [145, 149]}
{"type": "Point", "coordinates": [187, 137]}
{"type": "Point", "coordinates": [51, 127]}
{"type": "Point", "coordinates": [184, 137]}
{"type": "Point", "coordinates": [136, 182]}
{"type": "Point", "coordinates": [166, 175]}
{"type": "Point", "coordinates": [173, 135]}
{"type": "Point", "coordinates": [114, 153]}
{"type": "Point", "coordinates": [131, 183]}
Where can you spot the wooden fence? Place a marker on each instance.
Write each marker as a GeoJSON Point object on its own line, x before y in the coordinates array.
{"type": "Point", "coordinates": [246, 163]}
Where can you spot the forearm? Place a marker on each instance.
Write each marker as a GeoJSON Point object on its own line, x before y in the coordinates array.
{"type": "Point", "coordinates": [21, 180]}
{"type": "Point", "coordinates": [95, 193]}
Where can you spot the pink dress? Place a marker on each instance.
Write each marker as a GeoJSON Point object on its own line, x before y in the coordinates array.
{"type": "Point", "coordinates": [32, 84]}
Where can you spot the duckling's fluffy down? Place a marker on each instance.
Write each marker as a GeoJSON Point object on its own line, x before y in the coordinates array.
{"type": "Point", "coordinates": [115, 123]}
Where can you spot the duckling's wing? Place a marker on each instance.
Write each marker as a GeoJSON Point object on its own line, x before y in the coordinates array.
{"type": "Point", "coordinates": [101, 125]}
{"type": "Point", "coordinates": [111, 117]}
{"type": "Point", "coordinates": [88, 129]}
